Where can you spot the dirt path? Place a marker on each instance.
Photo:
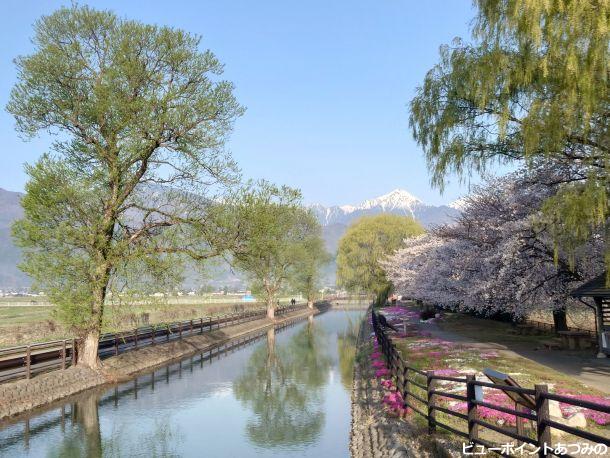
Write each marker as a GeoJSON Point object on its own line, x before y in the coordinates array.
{"type": "Point", "coordinates": [586, 369]}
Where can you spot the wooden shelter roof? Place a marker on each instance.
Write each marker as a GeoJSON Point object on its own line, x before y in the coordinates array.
{"type": "Point", "coordinates": [593, 288]}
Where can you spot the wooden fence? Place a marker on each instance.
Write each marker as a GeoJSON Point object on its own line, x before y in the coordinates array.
{"type": "Point", "coordinates": [409, 379]}
{"type": "Point", "coordinates": [25, 361]}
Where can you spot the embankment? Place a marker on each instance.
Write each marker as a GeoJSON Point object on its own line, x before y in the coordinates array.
{"type": "Point", "coordinates": [25, 395]}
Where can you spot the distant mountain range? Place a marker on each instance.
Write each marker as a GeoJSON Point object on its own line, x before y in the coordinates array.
{"type": "Point", "coordinates": [334, 220]}
{"type": "Point", "coordinates": [10, 256]}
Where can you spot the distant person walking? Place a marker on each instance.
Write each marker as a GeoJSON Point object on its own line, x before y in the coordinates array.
{"type": "Point", "coordinates": [293, 301]}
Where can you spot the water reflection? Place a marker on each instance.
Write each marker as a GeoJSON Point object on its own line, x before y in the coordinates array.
{"type": "Point", "coordinates": [346, 346]}
{"type": "Point", "coordinates": [282, 388]}
{"type": "Point", "coordinates": [287, 395]}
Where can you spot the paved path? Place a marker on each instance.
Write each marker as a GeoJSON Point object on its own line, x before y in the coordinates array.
{"type": "Point", "coordinates": [588, 370]}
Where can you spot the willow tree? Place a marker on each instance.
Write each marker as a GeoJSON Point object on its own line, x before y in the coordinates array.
{"type": "Point", "coordinates": [141, 117]}
{"type": "Point", "coordinates": [368, 241]}
{"type": "Point", "coordinates": [531, 86]}
{"type": "Point", "coordinates": [308, 271]}
{"type": "Point", "coordinates": [280, 238]}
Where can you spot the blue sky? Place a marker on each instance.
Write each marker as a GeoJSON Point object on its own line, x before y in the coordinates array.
{"type": "Point", "coordinates": [326, 85]}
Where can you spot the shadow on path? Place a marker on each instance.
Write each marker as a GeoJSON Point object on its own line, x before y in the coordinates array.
{"type": "Point", "coordinates": [581, 365]}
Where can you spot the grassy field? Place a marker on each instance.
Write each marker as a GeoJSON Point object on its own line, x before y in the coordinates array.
{"type": "Point", "coordinates": [22, 322]}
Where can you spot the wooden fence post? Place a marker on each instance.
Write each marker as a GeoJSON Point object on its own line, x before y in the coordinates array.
{"type": "Point", "coordinates": [201, 325]}
{"type": "Point", "coordinates": [473, 428]}
{"type": "Point", "coordinates": [180, 332]}
{"type": "Point", "coordinates": [405, 374]}
{"type": "Point", "coordinates": [63, 355]}
{"type": "Point", "coordinates": [136, 336]}
{"type": "Point", "coordinates": [74, 352]}
{"type": "Point", "coordinates": [431, 384]}
{"type": "Point", "coordinates": [116, 345]}
{"type": "Point", "coordinates": [28, 362]}
{"type": "Point", "coordinates": [152, 335]}
{"type": "Point", "coordinates": [191, 329]}
{"type": "Point", "coordinates": [542, 415]}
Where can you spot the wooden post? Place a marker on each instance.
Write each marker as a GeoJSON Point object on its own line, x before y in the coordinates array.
{"type": "Point", "coordinates": [63, 355]}
{"type": "Point", "coordinates": [542, 414]}
{"type": "Point", "coordinates": [180, 332]}
{"type": "Point", "coordinates": [116, 345]}
{"type": "Point", "coordinates": [28, 362]}
{"type": "Point", "coordinates": [431, 384]}
{"type": "Point", "coordinates": [473, 428]}
{"type": "Point", "coordinates": [152, 335]}
{"type": "Point", "coordinates": [136, 337]}
{"type": "Point", "coordinates": [405, 373]}
{"type": "Point", "coordinates": [200, 325]}
{"type": "Point", "coordinates": [74, 352]}
{"type": "Point", "coordinates": [191, 331]}
{"type": "Point", "coordinates": [519, 421]}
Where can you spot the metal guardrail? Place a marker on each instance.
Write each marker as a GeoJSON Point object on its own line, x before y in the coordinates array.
{"type": "Point", "coordinates": [426, 403]}
{"type": "Point", "coordinates": [26, 361]}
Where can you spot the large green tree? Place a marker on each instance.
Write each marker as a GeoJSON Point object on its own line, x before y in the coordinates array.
{"type": "Point", "coordinates": [532, 86]}
{"type": "Point", "coordinates": [140, 117]}
{"type": "Point", "coordinates": [366, 242]}
{"type": "Point", "coordinates": [281, 239]}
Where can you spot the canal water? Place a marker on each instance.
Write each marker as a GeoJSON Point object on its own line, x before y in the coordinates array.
{"type": "Point", "coordinates": [284, 393]}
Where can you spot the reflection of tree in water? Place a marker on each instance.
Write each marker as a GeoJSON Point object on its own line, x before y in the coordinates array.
{"type": "Point", "coordinates": [283, 388]}
{"type": "Point", "coordinates": [85, 438]}
{"type": "Point", "coordinates": [346, 343]}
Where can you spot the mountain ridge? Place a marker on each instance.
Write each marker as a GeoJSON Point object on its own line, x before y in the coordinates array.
{"type": "Point", "coordinates": [334, 219]}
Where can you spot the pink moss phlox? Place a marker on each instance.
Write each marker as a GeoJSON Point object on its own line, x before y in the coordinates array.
{"type": "Point", "coordinates": [568, 410]}
{"type": "Point", "coordinates": [387, 383]}
{"type": "Point", "coordinates": [446, 372]}
{"type": "Point", "coordinates": [436, 354]}
{"type": "Point", "coordinates": [489, 354]}
{"type": "Point", "coordinates": [376, 355]}
{"type": "Point", "coordinates": [381, 372]}
{"type": "Point", "coordinates": [378, 364]}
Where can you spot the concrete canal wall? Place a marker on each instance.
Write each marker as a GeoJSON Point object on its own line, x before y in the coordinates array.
{"type": "Point", "coordinates": [25, 395]}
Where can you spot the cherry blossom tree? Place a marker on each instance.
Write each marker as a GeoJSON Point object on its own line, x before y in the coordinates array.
{"type": "Point", "coordinates": [499, 255]}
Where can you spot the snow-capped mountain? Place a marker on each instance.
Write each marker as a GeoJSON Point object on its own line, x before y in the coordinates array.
{"type": "Point", "coordinates": [398, 201]}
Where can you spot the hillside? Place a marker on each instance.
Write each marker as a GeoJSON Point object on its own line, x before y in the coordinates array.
{"type": "Point", "coordinates": [334, 220]}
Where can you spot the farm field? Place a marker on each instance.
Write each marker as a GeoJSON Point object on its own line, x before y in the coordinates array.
{"type": "Point", "coordinates": [21, 321]}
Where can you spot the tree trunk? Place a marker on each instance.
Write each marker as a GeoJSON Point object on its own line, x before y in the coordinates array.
{"type": "Point", "coordinates": [270, 308]}
{"type": "Point", "coordinates": [560, 320]}
{"type": "Point", "coordinates": [310, 304]}
{"type": "Point", "coordinates": [87, 355]}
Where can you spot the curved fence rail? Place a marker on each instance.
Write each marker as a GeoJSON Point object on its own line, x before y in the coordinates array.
{"type": "Point", "coordinates": [27, 361]}
{"type": "Point", "coordinates": [421, 392]}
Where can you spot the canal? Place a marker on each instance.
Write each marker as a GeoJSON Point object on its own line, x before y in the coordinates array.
{"type": "Point", "coordinates": [284, 392]}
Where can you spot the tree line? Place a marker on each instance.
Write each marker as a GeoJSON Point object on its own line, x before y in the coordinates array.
{"type": "Point", "coordinates": [138, 180]}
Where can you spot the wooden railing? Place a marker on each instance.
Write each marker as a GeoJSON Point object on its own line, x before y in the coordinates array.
{"type": "Point", "coordinates": [420, 392]}
{"type": "Point", "coordinates": [25, 361]}
{"type": "Point", "coordinates": [548, 327]}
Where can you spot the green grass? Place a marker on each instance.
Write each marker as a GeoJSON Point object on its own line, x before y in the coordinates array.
{"type": "Point", "coordinates": [22, 324]}
{"type": "Point", "coordinates": [16, 315]}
